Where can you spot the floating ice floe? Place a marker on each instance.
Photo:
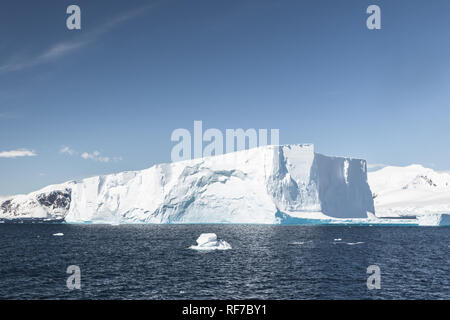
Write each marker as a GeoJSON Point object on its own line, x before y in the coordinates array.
{"type": "Point", "coordinates": [59, 234]}
{"type": "Point", "coordinates": [300, 242]}
{"type": "Point", "coordinates": [354, 243]}
{"type": "Point", "coordinates": [339, 241]}
{"type": "Point", "coordinates": [208, 241]}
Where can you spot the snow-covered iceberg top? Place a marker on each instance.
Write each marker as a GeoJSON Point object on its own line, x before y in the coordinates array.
{"type": "Point", "coordinates": [208, 241]}
{"type": "Point", "coordinates": [262, 185]}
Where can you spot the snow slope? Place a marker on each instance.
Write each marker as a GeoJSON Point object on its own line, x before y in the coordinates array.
{"type": "Point", "coordinates": [410, 191]}
{"type": "Point", "coordinates": [49, 203]}
{"type": "Point", "coordinates": [262, 185]}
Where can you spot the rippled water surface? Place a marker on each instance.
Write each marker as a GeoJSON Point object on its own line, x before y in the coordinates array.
{"type": "Point", "coordinates": [265, 262]}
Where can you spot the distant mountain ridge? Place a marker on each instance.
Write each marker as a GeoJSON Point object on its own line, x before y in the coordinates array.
{"type": "Point", "coordinates": [410, 191]}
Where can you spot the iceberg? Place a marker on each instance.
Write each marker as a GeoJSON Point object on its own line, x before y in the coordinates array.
{"type": "Point", "coordinates": [208, 241]}
{"type": "Point", "coordinates": [264, 185]}
{"type": "Point", "coordinates": [437, 219]}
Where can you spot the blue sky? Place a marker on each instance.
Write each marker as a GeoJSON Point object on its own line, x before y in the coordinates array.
{"type": "Point", "coordinates": [113, 92]}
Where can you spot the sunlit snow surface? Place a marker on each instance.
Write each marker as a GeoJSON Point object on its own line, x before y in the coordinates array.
{"type": "Point", "coordinates": [410, 191]}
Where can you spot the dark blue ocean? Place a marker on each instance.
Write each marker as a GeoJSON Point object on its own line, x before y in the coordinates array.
{"type": "Point", "coordinates": [265, 262]}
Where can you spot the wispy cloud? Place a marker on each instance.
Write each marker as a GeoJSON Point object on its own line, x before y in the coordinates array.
{"type": "Point", "coordinates": [17, 153]}
{"type": "Point", "coordinates": [376, 165]}
{"type": "Point", "coordinates": [67, 150]}
{"type": "Point", "coordinates": [95, 156]}
{"type": "Point", "coordinates": [64, 48]}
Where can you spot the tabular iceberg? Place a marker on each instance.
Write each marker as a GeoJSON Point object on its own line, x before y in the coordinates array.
{"type": "Point", "coordinates": [265, 185]}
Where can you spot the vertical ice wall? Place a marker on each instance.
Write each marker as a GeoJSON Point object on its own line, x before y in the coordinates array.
{"type": "Point", "coordinates": [310, 182]}
{"type": "Point", "coordinates": [343, 188]}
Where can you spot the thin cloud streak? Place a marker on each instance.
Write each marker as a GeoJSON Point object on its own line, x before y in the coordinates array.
{"type": "Point", "coordinates": [95, 156]}
{"type": "Point", "coordinates": [67, 150]}
{"type": "Point", "coordinates": [17, 153]}
{"type": "Point", "coordinates": [376, 165]}
{"type": "Point", "coordinates": [61, 49]}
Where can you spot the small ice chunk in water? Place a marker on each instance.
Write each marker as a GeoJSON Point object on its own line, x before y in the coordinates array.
{"type": "Point", "coordinates": [300, 242]}
{"type": "Point", "coordinates": [208, 241]}
{"type": "Point", "coordinates": [59, 234]}
{"type": "Point", "coordinates": [206, 237]}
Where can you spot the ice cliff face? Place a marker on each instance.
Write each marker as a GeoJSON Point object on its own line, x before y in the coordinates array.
{"type": "Point", "coordinates": [261, 185]}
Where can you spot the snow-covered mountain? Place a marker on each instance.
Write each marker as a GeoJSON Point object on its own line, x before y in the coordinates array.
{"type": "Point", "coordinates": [410, 191]}
{"type": "Point", "coordinates": [268, 184]}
